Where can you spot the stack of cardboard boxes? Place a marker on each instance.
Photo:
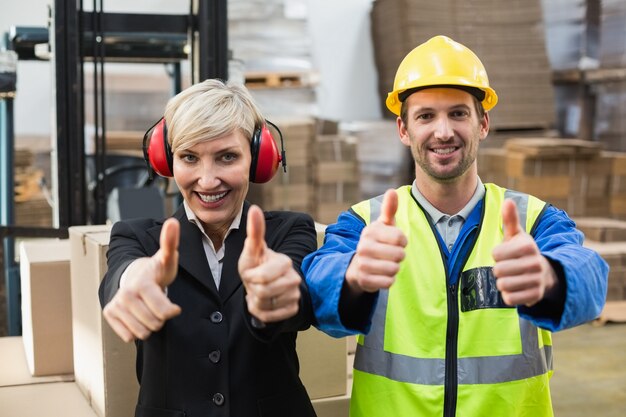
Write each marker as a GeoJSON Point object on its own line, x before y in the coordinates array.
{"type": "Point", "coordinates": [578, 177]}
{"type": "Point", "coordinates": [507, 36]}
{"type": "Point", "coordinates": [571, 174]}
{"type": "Point", "coordinates": [384, 162]}
{"type": "Point", "coordinates": [617, 188]}
{"type": "Point", "coordinates": [335, 176]}
{"type": "Point", "coordinates": [323, 170]}
{"type": "Point", "coordinates": [609, 88]}
{"type": "Point", "coordinates": [608, 238]}
{"type": "Point", "coordinates": [574, 175]}
{"type": "Point", "coordinates": [37, 368]}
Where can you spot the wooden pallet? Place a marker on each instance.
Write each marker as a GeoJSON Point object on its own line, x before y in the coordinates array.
{"type": "Point", "coordinates": [614, 311]}
{"type": "Point", "coordinates": [258, 79]}
{"type": "Point", "coordinates": [553, 147]}
{"type": "Point", "coordinates": [597, 75]}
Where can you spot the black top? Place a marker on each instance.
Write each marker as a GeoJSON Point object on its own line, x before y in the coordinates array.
{"type": "Point", "coordinates": [210, 360]}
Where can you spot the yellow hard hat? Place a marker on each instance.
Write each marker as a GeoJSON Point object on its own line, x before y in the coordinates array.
{"type": "Point", "coordinates": [440, 61]}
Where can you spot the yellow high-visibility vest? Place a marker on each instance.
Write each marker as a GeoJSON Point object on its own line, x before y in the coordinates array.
{"type": "Point", "coordinates": [454, 350]}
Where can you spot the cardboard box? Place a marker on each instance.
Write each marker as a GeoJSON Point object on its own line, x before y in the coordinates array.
{"type": "Point", "coordinates": [323, 363]}
{"type": "Point", "coordinates": [602, 229]}
{"type": "Point", "coordinates": [336, 171]}
{"type": "Point", "coordinates": [492, 160]}
{"type": "Point", "coordinates": [352, 344]}
{"type": "Point", "coordinates": [44, 400]}
{"type": "Point", "coordinates": [545, 188]}
{"type": "Point", "coordinates": [320, 231]}
{"type": "Point", "coordinates": [338, 148]}
{"type": "Point", "coordinates": [104, 366]}
{"type": "Point", "coordinates": [327, 213]}
{"type": "Point", "coordinates": [339, 192]}
{"type": "Point", "coordinates": [14, 369]}
{"type": "Point", "coordinates": [323, 359]}
{"type": "Point", "coordinates": [46, 306]}
{"type": "Point", "coordinates": [614, 311]}
{"type": "Point", "coordinates": [333, 406]}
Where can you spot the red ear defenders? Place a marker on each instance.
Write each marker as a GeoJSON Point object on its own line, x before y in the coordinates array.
{"type": "Point", "coordinates": [265, 154]}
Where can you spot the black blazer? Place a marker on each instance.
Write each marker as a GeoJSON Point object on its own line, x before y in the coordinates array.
{"type": "Point", "coordinates": [210, 360]}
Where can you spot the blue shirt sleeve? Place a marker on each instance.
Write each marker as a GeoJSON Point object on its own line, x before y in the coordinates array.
{"type": "Point", "coordinates": [325, 270]}
{"type": "Point", "coordinates": [584, 271]}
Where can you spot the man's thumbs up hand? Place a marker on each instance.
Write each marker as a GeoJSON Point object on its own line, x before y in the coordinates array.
{"type": "Point", "coordinates": [510, 220]}
{"type": "Point", "coordinates": [379, 252]}
{"type": "Point", "coordinates": [272, 285]}
{"type": "Point", "coordinates": [141, 306]}
{"type": "Point", "coordinates": [389, 208]}
{"type": "Point", "coordinates": [523, 274]}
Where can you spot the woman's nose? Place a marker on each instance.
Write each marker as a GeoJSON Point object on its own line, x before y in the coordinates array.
{"type": "Point", "coordinates": [208, 177]}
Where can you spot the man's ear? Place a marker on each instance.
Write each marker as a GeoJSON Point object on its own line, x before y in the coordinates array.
{"type": "Point", "coordinates": [484, 126]}
{"type": "Point", "coordinates": [403, 132]}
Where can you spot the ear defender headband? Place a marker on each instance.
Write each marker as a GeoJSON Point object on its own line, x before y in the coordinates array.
{"type": "Point", "coordinates": [265, 154]}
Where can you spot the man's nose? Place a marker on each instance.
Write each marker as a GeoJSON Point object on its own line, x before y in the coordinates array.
{"type": "Point", "coordinates": [443, 129]}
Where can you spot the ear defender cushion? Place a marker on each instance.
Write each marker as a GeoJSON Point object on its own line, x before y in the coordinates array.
{"type": "Point", "coordinates": [159, 152]}
{"type": "Point", "coordinates": [265, 156]}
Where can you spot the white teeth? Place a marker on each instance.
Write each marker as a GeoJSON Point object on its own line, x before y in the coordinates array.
{"type": "Point", "coordinates": [211, 198]}
{"type": "Point", "coordinates": [444, 151]}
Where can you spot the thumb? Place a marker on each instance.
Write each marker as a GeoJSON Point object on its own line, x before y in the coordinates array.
{"type": "Point", "coordinates": [255, 240]}
{"type": "Point", "coordinates": [170, 236]}
{"type": "Point", "coordinates": [389, 208]}
{"type": "Point", "coordinates": [510, 220]}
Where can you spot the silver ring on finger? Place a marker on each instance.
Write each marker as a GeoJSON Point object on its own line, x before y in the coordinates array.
{"type": "Point", "coordinates": [273, 303]}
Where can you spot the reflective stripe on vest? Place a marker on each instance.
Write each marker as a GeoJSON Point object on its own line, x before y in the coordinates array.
{"type": "Point", "coordinates": [534, 360]}
{"type": "Point", "coordinates": [426, 371]}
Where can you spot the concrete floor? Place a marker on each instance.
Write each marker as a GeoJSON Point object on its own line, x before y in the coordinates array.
{"type": "Point", "coordinates": [590, 371]}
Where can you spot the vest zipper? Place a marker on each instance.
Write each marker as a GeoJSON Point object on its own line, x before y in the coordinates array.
{"type": "Point", "coordinates": [451, 375]}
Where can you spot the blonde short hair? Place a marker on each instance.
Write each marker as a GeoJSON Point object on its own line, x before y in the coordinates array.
{"type": "Point", "coordinates": [208, 110]}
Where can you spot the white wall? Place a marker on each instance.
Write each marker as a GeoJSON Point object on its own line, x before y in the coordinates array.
{"type": "Point", "coordinates": [33, 100]}
{"type": "Point", "coordinates": [341, 49]}
{"type": "Point", "coordinates": [343, 53]}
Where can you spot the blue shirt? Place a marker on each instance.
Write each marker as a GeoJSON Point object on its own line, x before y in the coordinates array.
{"type": "Point", "coordinates": [582, 270]}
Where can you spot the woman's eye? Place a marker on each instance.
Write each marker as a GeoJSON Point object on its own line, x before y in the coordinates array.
{"type": "Point", "coordinates": [188, 158]}
{"type": "Point", "coordinates": [229, 157]}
